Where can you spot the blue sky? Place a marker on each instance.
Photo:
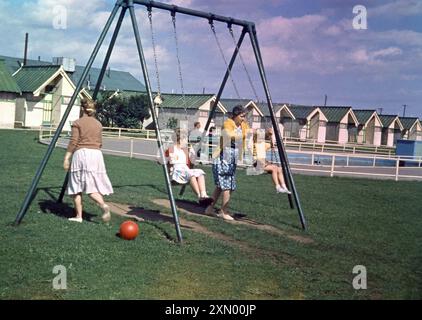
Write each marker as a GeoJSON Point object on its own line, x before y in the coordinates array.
{"type": "Point", "coordinates": [309, 47]}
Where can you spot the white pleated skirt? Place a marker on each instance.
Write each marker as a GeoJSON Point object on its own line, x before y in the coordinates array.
{"type": "Point", "coordinates": [88, 173]}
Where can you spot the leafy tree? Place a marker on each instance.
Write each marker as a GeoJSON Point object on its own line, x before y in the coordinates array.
{"type": "Point", "coordinates": [172, 123]}
{"type": "Point", "coordinates": [123, 112]}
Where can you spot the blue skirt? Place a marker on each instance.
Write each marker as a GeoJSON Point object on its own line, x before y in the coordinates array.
{"type": "Point", "coordinates": [224, 170]}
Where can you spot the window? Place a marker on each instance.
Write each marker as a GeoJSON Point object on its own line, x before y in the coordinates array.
{"type": "Point", "coordinates": [66, 100]}
{"type": "Point", "coordinates": [256, 118]}
{"type": "Point", "coordinates": [203, 114]}
{"type": "Point", "coordinates": [49, 88]}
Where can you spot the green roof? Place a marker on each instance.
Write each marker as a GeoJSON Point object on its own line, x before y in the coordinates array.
{"type": "Point", "coordinates": [7, 83]}
{"type": "Point", "coordinates": [363, 115]}
{"type": "Point", "coordinates": [188, 101]}
{"type": "Point", "coordinates": [112, 80]}
{"type": "Point", "coordinates": [229, 104]}
{"type": "Point", "coordinates": [301, 112]}
{"type": "Point", "coordinates": [30, 78]}
{"type": "Point", "coordinates": [408, 122]}
{"type": "Point", "coordinates": [13, 64]}
{"type": "Point", "coordinates": [263, 106]}
{"type": "Point", "coordinates": [334, 113]}
{"type": "Point", "coordinates": [387, 119]}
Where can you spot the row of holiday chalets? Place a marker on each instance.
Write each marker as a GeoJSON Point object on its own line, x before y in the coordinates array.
{"type": "Point", "coordinates": [36, 93]}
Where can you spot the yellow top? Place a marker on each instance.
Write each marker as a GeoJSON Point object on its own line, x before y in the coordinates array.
{"type": "Point", "coordinates": [229, 136]}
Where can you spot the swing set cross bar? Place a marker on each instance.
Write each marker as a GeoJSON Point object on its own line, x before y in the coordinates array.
{"type": "Point", "coordinates": [176, 9]}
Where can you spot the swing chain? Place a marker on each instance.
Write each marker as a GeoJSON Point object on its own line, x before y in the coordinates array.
{"type": "Point", "coordinates": [157, 99]}
{"type": "Point", "coordinates": [243, 62]}
{"type": "Point", "coordinates": [211, 22]}
{"type": "Point", "coordinates": [173, 19]}
{"type": "Point", "coordinates": [154, 50]}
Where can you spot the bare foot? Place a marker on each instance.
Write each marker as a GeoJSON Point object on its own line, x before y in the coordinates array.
{"type": "Point", "coordinates": [106, 216]}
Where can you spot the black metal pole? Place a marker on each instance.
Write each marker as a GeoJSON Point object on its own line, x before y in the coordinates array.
{"type": "Point", "coordinates": [63, 190]}
{"type": "Point", "coordinates": [99, 81]}
{"type": "Point", "coordinates": [280, 145]}
{"type": "Point", "coordinates": [154, 117]}
{"type": "Point", "coordinates": [196, 13]}
{"type": "Point", "coordinates": [108, 54]}
{"type": "Point", "coordinates": [28, 198]}
{"type": "Point", "coordinates": [223, 83]}
{"type": "Point", "coordinates": [283, 161]}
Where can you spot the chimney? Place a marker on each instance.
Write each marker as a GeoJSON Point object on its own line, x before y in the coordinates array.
{"type": "Point", "coordinates": [25, 53]}
{"type": "Point", "coordinates": [67, 63]}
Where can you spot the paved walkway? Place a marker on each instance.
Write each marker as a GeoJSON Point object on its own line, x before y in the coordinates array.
{"type": "Point", "coordinates": [147, 149]}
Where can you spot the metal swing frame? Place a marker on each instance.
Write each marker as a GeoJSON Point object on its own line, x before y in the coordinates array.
{"type": "Point", "coordinates": [124, 5]}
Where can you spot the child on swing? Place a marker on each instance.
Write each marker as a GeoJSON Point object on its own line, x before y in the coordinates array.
{"type": "Point", "coordinates": [180, 158]}
{"type": "Point", "coordinates": [264, 152]}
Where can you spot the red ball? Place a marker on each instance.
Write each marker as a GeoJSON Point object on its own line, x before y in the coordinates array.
{"type": "Point", "coordinates": [129, 230]}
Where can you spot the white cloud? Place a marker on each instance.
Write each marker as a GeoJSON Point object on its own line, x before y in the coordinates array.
{"type": "Point", "coordinates": [79, 13]}
{"type": "Point", "coordinates": [387, 52]}
{"type": "Point", "coordinates": [397, 8]}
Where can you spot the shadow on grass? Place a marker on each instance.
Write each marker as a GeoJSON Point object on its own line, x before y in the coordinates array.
{"type": "Point", "coordinates": [194, 207]}
{"type": "Point", "coordinates": [148, 216]}
{"type": "Point", "coordinates": [62, 210]}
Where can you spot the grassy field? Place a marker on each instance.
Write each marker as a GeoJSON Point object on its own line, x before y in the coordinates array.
{"type": "Point", "coordinates": [377, 224]}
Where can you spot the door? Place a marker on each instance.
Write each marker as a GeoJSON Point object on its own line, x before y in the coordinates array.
{"type": "Point", "coordinates": [47, 109]}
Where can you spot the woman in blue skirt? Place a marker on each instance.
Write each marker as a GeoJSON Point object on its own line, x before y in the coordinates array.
{"type": "Point", "coordinates": [232, 144]}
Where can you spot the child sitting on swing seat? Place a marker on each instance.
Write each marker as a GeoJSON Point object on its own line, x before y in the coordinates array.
{"type": "Point", "coordinates": [180, 158]}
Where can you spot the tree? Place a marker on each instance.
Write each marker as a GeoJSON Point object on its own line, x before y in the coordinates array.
{"type": "Point", "coordinates": [172, 123]}
{"type": "Point", "coordinates": [123, 112]}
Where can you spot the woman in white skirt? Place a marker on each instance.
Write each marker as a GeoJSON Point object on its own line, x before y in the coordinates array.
{"type": "Point", "coordinates": [180, 159]}
{"type": "Point", "coordinates": [87, 170]}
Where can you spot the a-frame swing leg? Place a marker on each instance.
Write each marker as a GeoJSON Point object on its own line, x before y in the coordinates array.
{"type": "Point", "coordinates": [223, 84]}
{"type": "Point", "coordinates": [280, 145]}
{"type": "Point", "coordinates": [99, 81]}
{"type": "Point", "coordinates": [31, 191]}
{"type": "Point", "coordinates": [154, 117]}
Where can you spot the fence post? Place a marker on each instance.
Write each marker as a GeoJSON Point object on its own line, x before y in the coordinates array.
{"type": "Point", "coordinates": [147, 134]}
{"type": "Point", "coordinates": [333, 160]}
{"type": "Point", "coordinates": [322, 148]}
{"type": "Point", "coordinates": [347, 161]}
{"type": "Point", "coordinates": [120, 132]}
{"type": "Point", "coordinates": [397, 168]}
{"type": "Point", "coordinates": [131, 148]}
{"type": "Point", "coordinates": [312, 159]}
{"type": "Point", "coordinates": [354, 149]}
{"type": "Point", "coordinates": [373, 164]}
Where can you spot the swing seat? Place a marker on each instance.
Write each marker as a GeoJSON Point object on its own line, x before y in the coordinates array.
{"type": "Point", "coordinates": [183, 186]}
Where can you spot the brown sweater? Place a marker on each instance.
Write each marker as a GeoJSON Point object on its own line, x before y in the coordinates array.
{"type": "Point", "coordinates": [86, 133]}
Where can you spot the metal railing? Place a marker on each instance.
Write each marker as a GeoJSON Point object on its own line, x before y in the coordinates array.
{"type": "Point", "coordinates": [397, 167]}
{"type": "Point", "coordinates": [296, 143]}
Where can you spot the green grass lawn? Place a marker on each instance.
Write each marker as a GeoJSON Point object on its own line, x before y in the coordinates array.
{"type": "Point", "coordinates": [377, 224]}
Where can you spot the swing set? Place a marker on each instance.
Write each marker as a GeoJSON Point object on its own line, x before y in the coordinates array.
{"type": "Point", "coordinates": [155, 102]}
